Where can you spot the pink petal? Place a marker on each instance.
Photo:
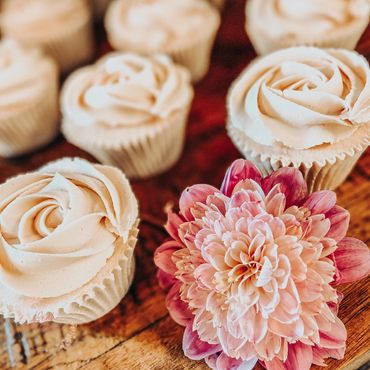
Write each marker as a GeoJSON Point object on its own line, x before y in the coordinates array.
{"type": "Point", "coordinates": [165, 280]}
{"type": "Point", "coordinates": [174, 221]}
{"type": "Point", "coordinates": [299, 357]}
{"type": "Point", "coordinates": [319, 354]}
{"type": "Point", "coordinates": [238, 171]}
{"type": "Point", "coordinates": [352, 259]}
{"type": "Point", "coordinates": [336, 337]}
{"type": "Point", "coordinates": [339, 221]}
{"type": "Point", "coordinates": [292, 184]}
{"type": "Point", "coordinates": [225, 362]}
{"type": "Point", "coordinates": [163, 256]}
{"type": "Point", "coordinates": [177, 308]}
{"type": "Point", "coordinates": [320, 202]}
{"type": "Point", "coordinates": [193, 195]}
{"type": "Point", "coordinates": [194, 348]}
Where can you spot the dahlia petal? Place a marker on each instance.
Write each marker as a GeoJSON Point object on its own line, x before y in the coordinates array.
{"type": "Point", "coordinates": [163, 256]}
{"type": "Point", "coordinates": [194, 348]}
{"type": "Point", "coordinates": [192, 195]}
{"type": "Point", "coordinates": [225, 362]}
{"type": "Point", "coordinates": [336, 337]}
{"type": "Point", "coordinates": [339, 222]}
{"type": "Point", "coordinates": [165, 280]}
{"type": "Point", "coordinates": [352, 259]}
{"type": "Point", "coordinates": [174, 221]}
{"type": "Point", "coordinates": [320, 202]}
{"type": "Point", "coordinates": [291, 182]}
{"type": "Point", "coordinates": [177, 308]}
{"type": "Point", "coordinates": [238, 171]}
{"type": "Point", "coordinates": [320, 354]}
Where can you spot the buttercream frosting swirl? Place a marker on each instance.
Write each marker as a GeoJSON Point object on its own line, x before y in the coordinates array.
{"type": "Point", "coordinates": [302, 97]}
{"type": "Point", "coordinates": [26, 19]}
{"type": "Point", "coordinates": [159, 24]}
{"type": "Point", "coordinates": [59, 226]}
{"type": "Point", "coordinates": [25, 73]}
{"type": "Point", "coordinates": [126, 90]}
{"type": "Point", "coordinates": [300, 18]}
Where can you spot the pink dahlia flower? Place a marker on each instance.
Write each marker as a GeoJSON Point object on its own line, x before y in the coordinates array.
{"type": "Point", "coordinates": [252, 270]}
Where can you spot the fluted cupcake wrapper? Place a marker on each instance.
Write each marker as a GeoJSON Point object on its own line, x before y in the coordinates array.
{"type": "Point", "coordinates": [345, 38]}
{"type": "Point", "coordinates": [88, 303]}
{"type": "Point", "coordinates": [326, 173]}
{"type": "Point", "coordinates": [72, 47]}
{"type": "Point", "coordinates": [143, 153]}
{"type": "Point", "coordinates": [31, 127]}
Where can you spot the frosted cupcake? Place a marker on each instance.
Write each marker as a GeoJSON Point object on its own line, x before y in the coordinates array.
{"type": "Point", "coordinates": [278, 24]}
{"type": "Point", "coordinates": [62, 28]}
{"type": "Point", "coordinates": [303, 107]}
{"type": "Point", "coordinates": [129, 111]}
{"type": "Point", "coordinates": [28, 99]}
{"type": "Point", "coordinates": [185, 30]}
{"type": "Point", "coordinates": [68, 233]}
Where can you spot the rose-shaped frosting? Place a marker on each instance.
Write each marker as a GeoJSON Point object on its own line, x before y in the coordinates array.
{"type": "Point", "coordinates": [41, 18]}
{"type": "Point", "coordinates": [286, 18]}
{"type": "Point", "coordinates": [159, 24]}
{"type": "Point", "coordinates": [302, 97]}
{"type": "Point", "coordinates": [127, 90]}
{"type": "Point", "coordinates": [59, 226]}
{"type": "Point", "coordinates": [24, 74]}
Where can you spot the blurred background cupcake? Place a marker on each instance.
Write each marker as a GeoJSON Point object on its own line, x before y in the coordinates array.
{"type": "Point", "coordinates": [62, 28]}
{"type": "Point", "coordinates": [29, 107]}
{"type": "Point", "coordinates": [278, 24]}
{"type": "Point", "coordinates": [303, 107]}
{"type": "Point", "coordinates": [185, 30]}
{"type": "Point", "coordinates": [130, 111]}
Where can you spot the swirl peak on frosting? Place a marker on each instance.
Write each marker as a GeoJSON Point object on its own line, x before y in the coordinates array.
{"type": "Point", "coordinates": [126, 90]}
{"type": "Point", "coordinates": [59, 226]}
{"type": "Point", "coordinates": [40, 18]}
{"type": "Point", "coordinates": [306, 17]}
{"type": "Point", "coordinates": [159, 24]}
{"type": "Point", "coordinates": [24, 74]}
{"type": "Point", "coordinates": [302, 97]}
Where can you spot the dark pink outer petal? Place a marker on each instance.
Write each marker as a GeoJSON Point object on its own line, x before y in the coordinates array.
{"type": "Point", "coordinates": [339, 222]}
{"type": "Point", "coordinates": [163, 256]}
{"type": "Point", "coordinates": [300, 357]}
{"type": "Point", "coordinates": [320, 202]}
{"type": "Point", "coordinates": [292, 184]}
{"type": "Point", "coordinates": [165, 280]}
{"type": "Point", "coordinates": [194, 348]}
{"type": "Point", "coordinates": [352, 259]}
{"type": "Point", "coordinates": [238, 171]}
{"type": "Point", "coordinates": [192, 195]}
{"type": "Point", "coordinates": [177, 308]}
{"type": "Point", "coordinates": [174, 221]}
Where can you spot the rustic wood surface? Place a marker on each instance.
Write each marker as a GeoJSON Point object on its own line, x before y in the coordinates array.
{"type": "Point", "coordinates": [139, 334]}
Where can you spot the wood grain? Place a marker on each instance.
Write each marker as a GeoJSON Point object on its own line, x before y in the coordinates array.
{"type": "Point", "coordinates": [139, 334]}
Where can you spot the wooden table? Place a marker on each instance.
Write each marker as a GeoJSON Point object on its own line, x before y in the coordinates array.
{"type": "Point", "coordinates": [139, 334]}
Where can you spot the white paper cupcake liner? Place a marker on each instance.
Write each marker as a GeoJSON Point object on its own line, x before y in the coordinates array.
{"type": "Point", "coordinates": [192, 53]}
{"type": "Point", "coordinates": [88, 303]}
{"type": "Point", "coordinates": [146, 152]}
{"type": "Point", "coordinates": [31, 127]}
{"type": "Point", "coordinates": [323, 169]}
{"type": "Point", "coordinates": [345, 37]}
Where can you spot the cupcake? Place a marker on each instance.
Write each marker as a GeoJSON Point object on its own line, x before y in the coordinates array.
{"type": "Point", "coordinates": [278, 24]}
{"type": "Point", "coordinates": [303, 107]}
{"type": "Point", "coordinates": [185, 30]}
{"type": "Point", "coordinates": [68, 233]}
{"type": "Point", "coordinates": [99, 7]}
{"type": "Point", "coordinates": [62, 28]}
{"type": "Point", "coordinates": [129, 111]}
{"type": "Point", "coordinates": [28, 99]}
